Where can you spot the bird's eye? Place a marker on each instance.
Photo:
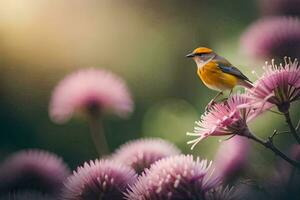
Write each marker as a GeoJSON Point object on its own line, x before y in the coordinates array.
{"type": "Point", "coordinates": [199, 54]}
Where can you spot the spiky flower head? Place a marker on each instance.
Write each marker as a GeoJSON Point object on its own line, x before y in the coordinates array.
{"type": "Point", "coordinates": [140, 154]}
{"type": "Point", "coordinates": [33, 170]}
{"type": "Point", "coordinates": [272, 37]}
{"type": "Point", "coordinates": [99, 179]}
{"type": "Point", "coordinates": [280, 7]}
{"type": "Point", "coordinates": [90, 91]}
{"type": "Point", "coordinates": [26, 195]}
{"type": "Point", "coordinates": [232, 157]}
{"type": "Point", "coordinates": [279, 84]}
{"type": "Point", "coordinates": [225, 118]}
{"type": "Point", "coordinates": [176, 177]}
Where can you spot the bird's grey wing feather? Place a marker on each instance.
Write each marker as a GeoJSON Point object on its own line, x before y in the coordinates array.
{"type": "Point", "coordinates": [228, 68]}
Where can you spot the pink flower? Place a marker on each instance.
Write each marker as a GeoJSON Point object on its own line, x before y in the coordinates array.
{"type": "Point", "coordinates": [140, 154]}
{"type": "Point", "coordinates": [90, 91]}
{"type": "Point", "coordinates": [33, 170]}
{"type": "Point", "coordinates": [225, 118]}
{"type": "Point", "coordinates": [279, 85]}
{"type": "Point", "coordinates": [177, 177]}
{"type": "Point", "coordinates": [100, 179]}
{"type": "Point", "coordinates": [232, 156]}
{"type": "Point", "coordinates": [272, 37]}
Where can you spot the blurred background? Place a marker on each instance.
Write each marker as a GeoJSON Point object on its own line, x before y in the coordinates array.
{"type": "Point", "coordinates": [143, 41]}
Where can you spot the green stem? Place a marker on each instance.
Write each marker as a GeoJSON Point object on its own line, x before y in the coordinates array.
{"type": "Point", "coordinates": [269, 145]}
{"type": "Point", "coordinates": [98, 135]}
{"type": "Point", "coordinates": [291, 126]}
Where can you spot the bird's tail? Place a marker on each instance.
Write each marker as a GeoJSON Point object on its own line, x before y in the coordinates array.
{"type": "Point", "coordinates": [246, 83]}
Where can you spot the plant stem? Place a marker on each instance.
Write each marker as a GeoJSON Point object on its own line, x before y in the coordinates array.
{"type": "Point", "coordinates": [269, 145]}
{"type": "Point", "coordinates": [291, 126]}
{"type": "Point", "coordinates": [98, 135]}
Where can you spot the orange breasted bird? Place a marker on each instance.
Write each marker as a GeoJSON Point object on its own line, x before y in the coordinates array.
{"type": "Point", "coordinates": [216, 72]}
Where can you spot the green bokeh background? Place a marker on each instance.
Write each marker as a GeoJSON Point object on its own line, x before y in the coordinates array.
{"type": "Point", "coordinates": [143, 41]}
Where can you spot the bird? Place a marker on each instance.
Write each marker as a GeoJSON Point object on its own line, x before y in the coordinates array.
{"type": "Point", "coordinates": [216, 72]}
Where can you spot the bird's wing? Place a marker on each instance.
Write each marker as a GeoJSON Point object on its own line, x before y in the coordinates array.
{"type": "Point", "coordinates": [228, 68]}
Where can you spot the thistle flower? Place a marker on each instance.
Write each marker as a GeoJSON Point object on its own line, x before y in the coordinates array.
{"type": "Point", "coordinates": [231, 157]}
{"type": "Point", "coordinates": [225, 118]}
{"type": "Point", "coordinates": [272, 37]}
{"type": "Point", "coordinates": [26, 195]}
{"type": "Point", "coordinates": [32, 170]}
{"type": "Point", "coordinates": [90, 91]}
{"type": "Point", "coordinates": [100, 179]}
{"type": "Point", "coordinates": [140, 154]}
{"type": "Point", "coordinates": [177, 177]}
{"type": "Point", "coordinates": [279, 85]}
{"type": "Point", "coordinates": [280, 7]}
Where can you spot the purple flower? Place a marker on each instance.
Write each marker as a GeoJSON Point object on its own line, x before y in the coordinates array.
{"type": "Point", "coordinates": [279, 85]}
{"type": "Point", "coordinates": [140, 154]}
{"type": "Point", "coordinates": [33, 170]}
{"type": "Point", "coordinates": [232, 157]}
{"type": "Point", "coordinates": [225, 118]}
{"type": "Point", "coordinates": [90, 91]}
{"type": "Point", "coordinates": [280, 7]}
{"type": "Point", "coordinates": [99, 179]}
{"type": "Point", "coordinates": [272, 37]}
{"type": "Point", "coordinates": [177, 177]}
{"type": "Point", "coordinates": [26, 195]}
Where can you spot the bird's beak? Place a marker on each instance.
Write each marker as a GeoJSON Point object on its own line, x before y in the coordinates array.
{"type": "Point", "coordinates": [190, 55]}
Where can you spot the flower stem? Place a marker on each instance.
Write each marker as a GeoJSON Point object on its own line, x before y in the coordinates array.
{"type": "Point", "coordinates": [269, 145]}
{"type": "Point", "coordinates": [98, 135]}
{"type": "Point", "coordinates": [291, 126]}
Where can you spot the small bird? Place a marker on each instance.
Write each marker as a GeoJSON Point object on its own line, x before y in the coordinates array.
{"type": "Point", "coordinates": [216, 72]}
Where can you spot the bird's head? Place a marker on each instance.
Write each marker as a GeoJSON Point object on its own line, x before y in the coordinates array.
{"type": "Point", "coordinates": [202, 55]}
